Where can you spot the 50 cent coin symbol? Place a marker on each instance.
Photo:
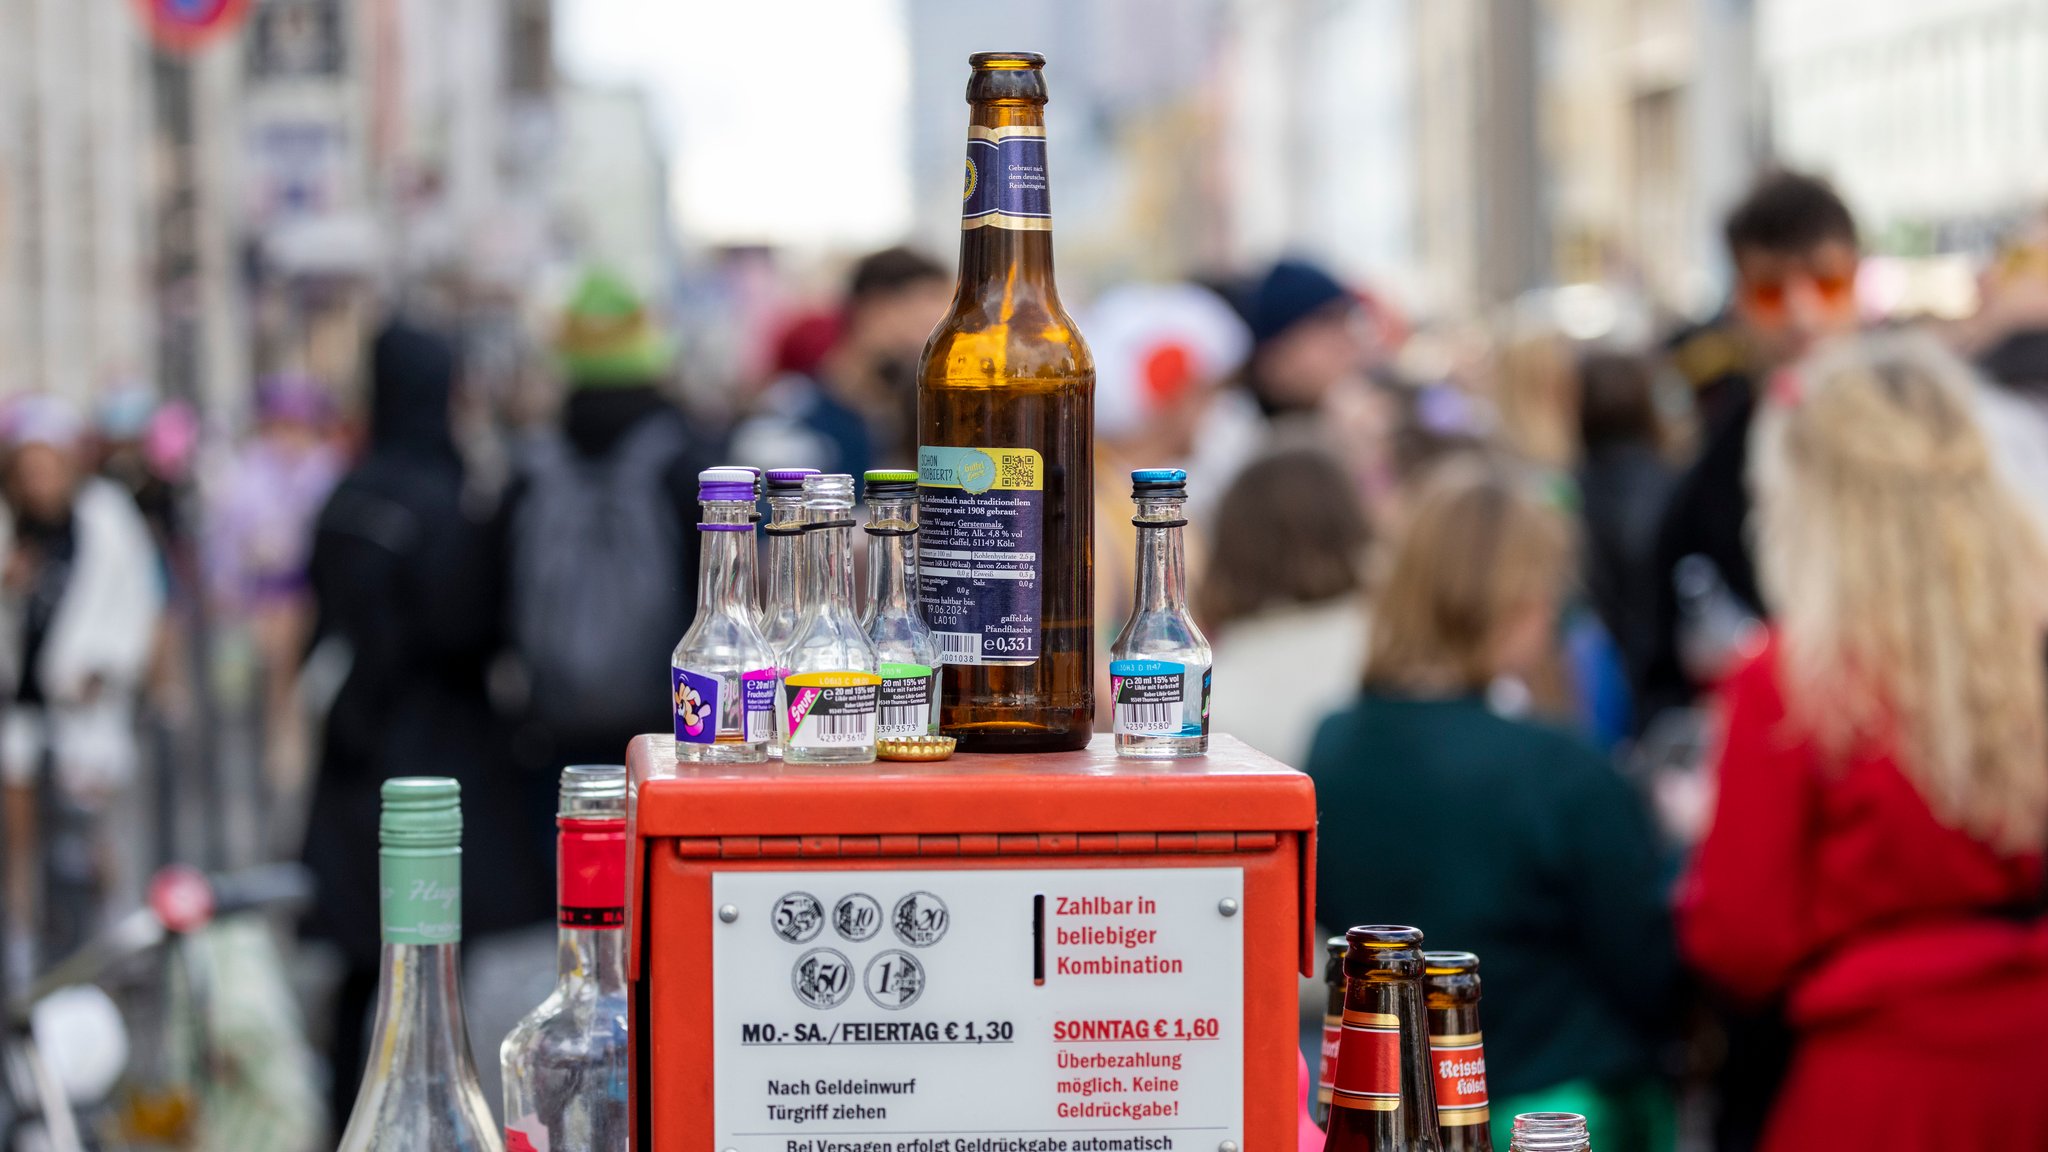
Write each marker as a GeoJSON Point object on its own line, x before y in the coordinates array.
{"type": "Point", "coordinates": [920, 919]}
{"type": "Point", "coordinates": [798, 917]}
{"type": "Point", "coordinates": [822, 978]}
{"type": "Point", "coordinates": [857, 916]}
{"type": "Point", "coordinates": [895, 979]}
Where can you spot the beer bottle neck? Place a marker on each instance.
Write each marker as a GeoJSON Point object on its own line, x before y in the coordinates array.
{"type": "Point", "coordinates": [1006, 215]}
{"type": "Point", "coordinates": [1384, 1098]}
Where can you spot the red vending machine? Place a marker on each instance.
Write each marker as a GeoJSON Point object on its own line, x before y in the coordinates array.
{"type": "Point", "coordinates": [1055, 953]}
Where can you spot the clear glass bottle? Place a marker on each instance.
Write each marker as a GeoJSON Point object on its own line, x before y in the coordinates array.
{"type": "Point", "coordinates": [565, 1065]}
{"type": "Point", "coordinates": [750, 560]}
{"type": "Point", "coordinates": [908, 652]}
{"type": "Point", "coordinates": [1550, 1132]}
{"type": "Point", "coordinates": [420, 1091]}
{"type": "Point", "coordinates": [833, 684]}
{"type": "Point", "coordinates": [782, 601]}
{"type": "Point", "coordinates": [1159, 665]}
{"type": "Point", "coordinates": [721, 676]}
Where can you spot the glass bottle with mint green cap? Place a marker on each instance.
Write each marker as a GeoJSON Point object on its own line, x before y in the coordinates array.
{"type": "Point", "coordinates": [420, 1091]}
{"type": "Point", "coordinates": [833, 682]}
{"type": "Point", "coordinates": [1159, 665]}
{"type": "Point", "coordinates": [908, 651]}
{"type": "Point", "coordinates": [782, 598]}
{"type": "Point", "coordinates": [565, 1064]}
{"type": "Point", "coordinates": [721, 676]}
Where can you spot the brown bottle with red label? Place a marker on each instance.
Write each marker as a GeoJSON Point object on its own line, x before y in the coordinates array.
{"type": "Point", "coordinates": [1381, 1099]}
{"type": "Point", "coordinates": [1333, 1026]}
{"type": "Point", "coordinates": [1457, 1056]}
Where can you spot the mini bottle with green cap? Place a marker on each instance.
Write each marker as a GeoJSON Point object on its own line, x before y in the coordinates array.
{"type": "Point", "coordinates": [1159, 665]}
{"type": "Point", "coordinates": [908, 651]}
{"type": "Point", "coordinates": [420, 1092]}
{"type": "Point", "coordinates": [833, 685]}
{"type": "Point", "coordinates": [721, 676]}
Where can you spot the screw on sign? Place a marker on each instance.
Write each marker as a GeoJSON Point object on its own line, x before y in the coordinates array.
{"type": "Point", "coordinates": [189, 25]}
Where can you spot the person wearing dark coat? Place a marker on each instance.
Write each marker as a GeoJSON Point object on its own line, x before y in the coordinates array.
{"type": "Point", "coordinates": [407, 588]}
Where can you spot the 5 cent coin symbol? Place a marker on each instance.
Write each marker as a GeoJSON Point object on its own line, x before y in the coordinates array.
{"type": "Point", "coordinates": [798, 917]}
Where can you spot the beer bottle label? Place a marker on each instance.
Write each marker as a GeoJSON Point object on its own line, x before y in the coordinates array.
{"type": "Point", "coordinates": [832, 709]}
{"type": "Point", "coordinates": [981, 537]}
{"type": "Point", "coordinates": [1006, 186]}
{"type": "Point", "coordinates": [909, 692]}
{"type": "Point", "coordinates": [1368, 1072]}
{"type": "Point", "coordinates": [1460, 1063]}
{"type": "Point", "coordinates": [1159, 698]}
{"type": "Point", "coordinates": [1326, 1073]}
{"type": "Point", "coordinates": [710, 708]}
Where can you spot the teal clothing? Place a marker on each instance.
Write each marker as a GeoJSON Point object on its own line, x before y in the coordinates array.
{"type": "Point", "coordinates": [1516, 841]}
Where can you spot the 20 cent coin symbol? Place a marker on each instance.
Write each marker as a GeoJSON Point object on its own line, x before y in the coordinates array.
{"type": "Point", "coordinates": [920, 919]}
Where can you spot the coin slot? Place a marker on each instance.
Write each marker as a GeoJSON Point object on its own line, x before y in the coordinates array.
{"type": "Point", "coordinates": [1038, 939]}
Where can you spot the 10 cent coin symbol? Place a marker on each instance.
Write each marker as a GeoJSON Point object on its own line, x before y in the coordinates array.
{"type": "Point", "coordinates": [895, 979]}
{"type": "Point", "coordinates": [798, 917]}
{"type": "Point", "coordinates": [920, 919]}
{"type": "Point", "coordinates": [857, 916]}
{"type": "Point", "coordinates": [822, 978]}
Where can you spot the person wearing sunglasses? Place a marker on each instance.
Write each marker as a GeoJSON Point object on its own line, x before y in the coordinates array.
{"type": "Point", "coordinates": [1794, 247]}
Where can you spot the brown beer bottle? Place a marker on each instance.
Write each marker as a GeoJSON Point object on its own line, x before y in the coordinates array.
{"type": "Point", "coordinates": [1006, 447]}
{"type": "Point", "coordinates": [1457, 1057]}
{"type": "Point", "coordinates": [1333, 1025]}
{"type": "Point", "coordinates": [1381, 1101]}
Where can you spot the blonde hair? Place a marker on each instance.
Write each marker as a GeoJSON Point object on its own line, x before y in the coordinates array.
{"type": "Point", "coordinates": [1480, 546]}
{"type": "Point", "coordinates": [1905, 580]}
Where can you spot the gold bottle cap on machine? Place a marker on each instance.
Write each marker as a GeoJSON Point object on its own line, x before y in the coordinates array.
{"type": "Point", "coordinates": [915, 747]}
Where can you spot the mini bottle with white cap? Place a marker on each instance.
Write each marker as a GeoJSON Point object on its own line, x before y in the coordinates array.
{"type": "Point", "coordinates": [832, 684]}
{"type": "Point", "coordinates": [721, 676]}
{"type": "Point", "coordinates": [1159, 665]}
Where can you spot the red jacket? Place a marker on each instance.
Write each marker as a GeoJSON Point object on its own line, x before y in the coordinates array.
{"type": "Point", "coordinates": [1909, 957]}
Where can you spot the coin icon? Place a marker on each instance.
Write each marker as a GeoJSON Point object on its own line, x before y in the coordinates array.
{"type": "Point", "coordinates": [920, 919]}
{"type": "Point", "coordinates": [895, 979]}
{"type": "Point", "coordinates": [798, 917]}
{"type": "Point", "coordinates": [822, 978]}
{"type": "Point", "coordinates": [857, 916]}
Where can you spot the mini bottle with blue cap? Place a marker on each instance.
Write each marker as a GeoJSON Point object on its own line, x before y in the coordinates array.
{"type": "Point", "coordinates": [721, 675]}
{"type": "Point", "coordinates": [1159, 665]}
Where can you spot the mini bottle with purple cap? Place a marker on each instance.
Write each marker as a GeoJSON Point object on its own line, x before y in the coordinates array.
{"type": "Point", "coordinates": [721, 676]}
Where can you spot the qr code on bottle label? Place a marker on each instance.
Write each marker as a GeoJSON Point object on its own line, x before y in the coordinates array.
{"type": "Point", "coordinates": [1019, 470]}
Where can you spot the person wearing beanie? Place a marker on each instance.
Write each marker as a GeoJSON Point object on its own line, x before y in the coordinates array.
{"type": "Point", "coordinates": [409, 591]}
{"type": "Point", "coordinates": [1161, 352]}
{"type": "Point", "coordinates": [1307, 380]}
{"type": "Point", "coordinates": [599, 533]}
{"type": "Point", "coordinates": [844, 394]}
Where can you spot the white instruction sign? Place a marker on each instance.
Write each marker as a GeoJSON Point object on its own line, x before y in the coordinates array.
{"type": "Point", "coordinates": [1051, 1010]}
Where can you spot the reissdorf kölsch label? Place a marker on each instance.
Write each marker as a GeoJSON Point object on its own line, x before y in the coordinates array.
{"type": "Point", "coordinates": [1074, 1009]}
{"type": "Point", "coordinates": [1460, 1065]}
{"type": "Point", "coordinates": [981, 544]}
{"type": "Point", "coordinates": [1006, 185]}
{"type": "Point", "coordinates": [1369, 1062]}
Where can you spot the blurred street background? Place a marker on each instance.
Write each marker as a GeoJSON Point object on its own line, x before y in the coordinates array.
{"type": "Point", "coordinates": [293, 292]}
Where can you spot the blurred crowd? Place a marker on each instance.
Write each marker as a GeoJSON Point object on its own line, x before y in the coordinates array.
{"type": "Point", "coordinates": [1695, 684]}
